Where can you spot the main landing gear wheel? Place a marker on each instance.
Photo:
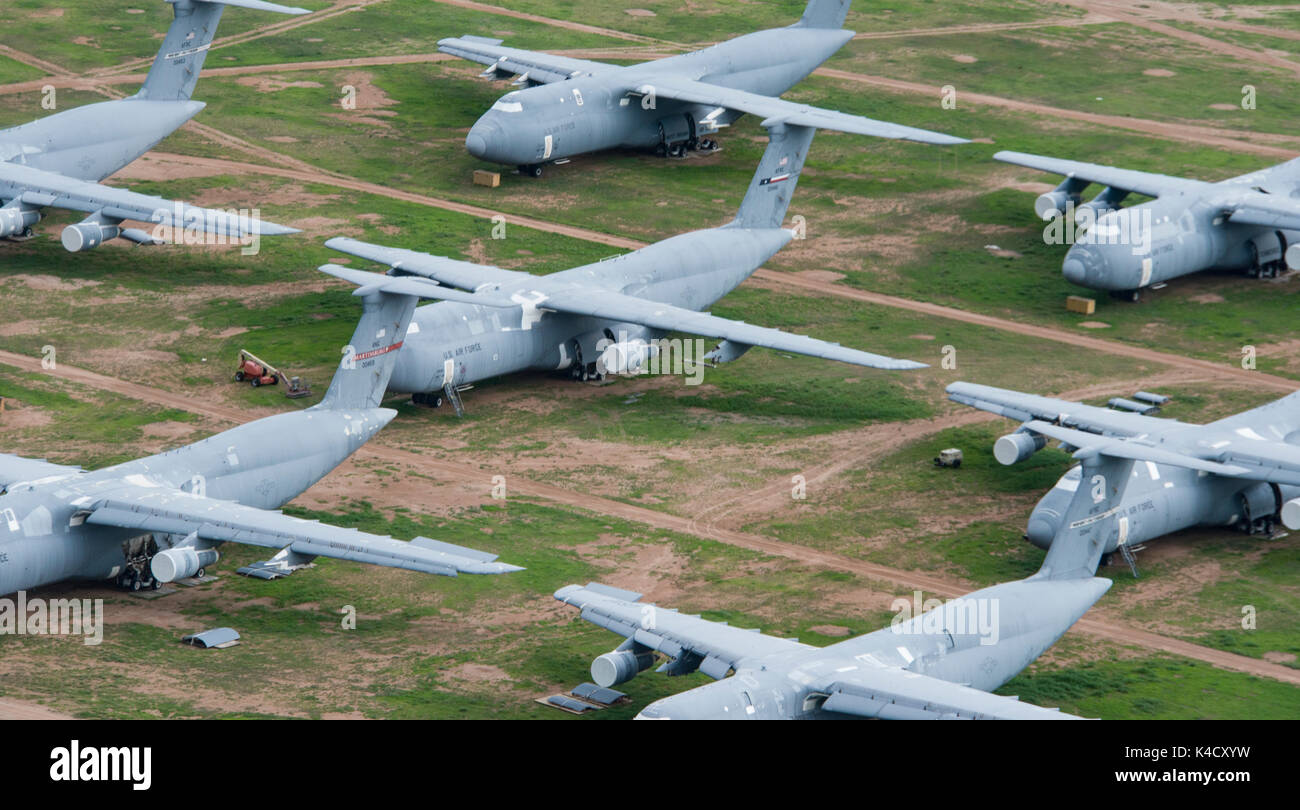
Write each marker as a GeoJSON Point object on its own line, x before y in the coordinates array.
{"type": "Point", "coordinates": [708, 145]}
{"type": "Point", "coordinates": [677, 150]}
{"type": "Point", "coordinates": [531, 170]}
{"type": "Point", "coordinates": [1132, 296]}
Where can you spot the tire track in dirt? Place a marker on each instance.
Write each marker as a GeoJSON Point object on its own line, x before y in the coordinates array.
{"type": "Point", "coordinates": [464, 473]}
{"type": "Point", "coordinates": [983, 28]}
{"type": "Point", "coordinates": [32, 61]}
{"type": "Point", "coordinates": [1124, 14]}
{"type": "Point", "coordinates": [566, 24]}
{"type": "Point", "coordinates": [876, 440]}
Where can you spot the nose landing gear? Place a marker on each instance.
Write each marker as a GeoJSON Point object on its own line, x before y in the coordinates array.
{"type": "Point", "coordinates": [531, 170]}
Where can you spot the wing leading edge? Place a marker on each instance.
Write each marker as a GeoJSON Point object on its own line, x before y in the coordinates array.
{"type": "Point", "coordinates": [171, 511]}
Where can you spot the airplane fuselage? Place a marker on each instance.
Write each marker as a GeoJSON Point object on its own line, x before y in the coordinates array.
{"type": "Point", "coordinates": [266, 463]}
{"type": "Point", "coordinates": [556, 121]}
{"type": "Point", "coordinates": [452, 342]}
{"type": "Point", "coordinates": [1172, 236]}
{"type": "Point", "coordinates": [95, 141]}
{"type": "Point", "coordinates": [1163, 499]}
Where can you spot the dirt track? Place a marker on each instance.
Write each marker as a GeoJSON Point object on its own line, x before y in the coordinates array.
{"type": "Point", "coordinates": [452, 471]}
{"type": "Point", "coordinates": [18, 710]}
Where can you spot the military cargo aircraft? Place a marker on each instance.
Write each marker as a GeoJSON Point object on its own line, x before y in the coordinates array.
{"type": "Point", "coordinates": [1249, 223]}
{"type": "Point", "coordinates": [161, 518]}
{"type": "Point", "coordinates": [938, 665]}
{"type": "Point", "coordinates": [573, 106]}
{"type": "Point", "coordinates": [1162, 475]}
{"type": "Point", "coordinates": [598, 318]}
{"type": "Point", "coordinates": [58, 161]}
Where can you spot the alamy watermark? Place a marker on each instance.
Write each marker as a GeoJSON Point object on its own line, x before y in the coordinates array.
{"type": "Point", "coordinates": [53, 617]}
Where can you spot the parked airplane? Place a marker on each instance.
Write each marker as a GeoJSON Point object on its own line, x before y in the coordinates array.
{"type": "Point", "coordinates": [598, 318]}
{"type": "Point", "coordinates": [58, 161]}
{"type": "Point", "coordinates": [574, 106]}
{"type": "Point", "coordinates": [1249, 223]}
{"type": "Point", "coordinates": [1163, 475]}
{"type": "Point", "coordinates": [941, 664]}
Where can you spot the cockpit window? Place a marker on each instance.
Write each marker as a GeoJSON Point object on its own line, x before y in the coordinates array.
{"type": "Point", "coordinates": [509, 103]}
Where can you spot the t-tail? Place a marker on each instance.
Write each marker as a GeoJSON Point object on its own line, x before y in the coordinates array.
{"type": "Point", "coordinates": [367, 362]}
{"type": "Point", "coordinates": [1093, 522]}
{"type": "Point", "coordinates": [176, 68]}
{"type": "Point", "coordinates": [773, 186]}
{"type": "Point", "coordinates": [824, 14]}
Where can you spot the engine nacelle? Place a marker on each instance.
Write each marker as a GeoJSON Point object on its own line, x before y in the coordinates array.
{"type": "Point", "coordinates": [179, 563]}
{"type": "Point", "coordinates": [630, 357]}
{"type": "Point", "coordinates": [620, 666]}
{"type": "Point", "coordinates": [1293, 256]}
{"type": "Point", "coordinates": [1016, 447]}
{"type": "Point", "coordinates": [88, 235]}
{"type": "Point", "coordinates": [15, 221]}
{"type": "Point", "coordinates": [1105, 202]}
{"type": "Point", "coordinates": [1291, 514]}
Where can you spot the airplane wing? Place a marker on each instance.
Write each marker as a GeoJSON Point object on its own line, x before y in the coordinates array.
{"type": "Point", "coordinates": [716, 647]}
{"type": "Point", "coordinates": [451, 272]}
{"type": "Point", "coordinates": [1250, 445]}
{"type": "Point", "coordinates": [27, 189]}
{"type": "Point", "coordinates": [539, 68]}
{"type": "Point", "coordinates": [1265, 210]}
{"type": "Point", "coordinates": [1152, 185]}
{"type": "Point", "coordinates": [16, 469]}
{"type": "Point", "coordinates": [172, 511]}
{"type": "Point", "coordinates": [1027, 407]}
{"type": "Point", "coordinates": [891, 693]}
{"type": "Point", "coordinates": [772, 108]}
{"type": "Point", "coordinates": [597, 303]}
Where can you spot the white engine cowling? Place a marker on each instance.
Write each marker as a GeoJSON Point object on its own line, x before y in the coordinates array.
{"type": "Point", "coordinates": [88, 235]}
{"type": "Point", "coordinates": [179, 563]}
{"type": "Point", "coordinates": [627, 357]}
{"type": "Point", "coordinates": [1053, 203]}
{"type": "Point", "coordinates": [619, 666]}
{"type": "Point", "coordinates": [1016, 447]}
{"type": "Point", "coordinates": [1293, 256]}
{"type": "Point", "coordinates": [16, 221]}
{"type": "Point", "coordinates": [1291, 514]}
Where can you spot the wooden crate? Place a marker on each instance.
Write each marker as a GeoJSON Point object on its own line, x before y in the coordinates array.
{"type": "Point", "coordinates": [1081, 305]}
{"type": "Point", "coordinates": [486, 178]}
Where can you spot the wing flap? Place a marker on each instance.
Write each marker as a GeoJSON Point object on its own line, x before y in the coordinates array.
{"type": "Point", "coordinates": [48, 189]}
{"type": "Point", "coordinates": [672, 633]}
{"type": "Point", "coordinates": [542, 68]}
{"type": "Point", "coordinates": [897, 694]}
{"type": "Point", "coordinates": [774, 109]}
{"type": "Point", "coordinates": [171, 511]}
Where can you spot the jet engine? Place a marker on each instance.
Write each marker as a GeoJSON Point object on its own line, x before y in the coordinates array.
{"type": "Point", "coordinates": [1105, 202]}
{"type": "Point", "coordinates": [1291, 514]}
{"type": "Point", "coordinates": [626, 357]}
{"type": "Point", "coordinates": [14, 221]}
{"type": "Point", "coordinates": [1053, 203]}
{"type": "Point", "coordinates": [89, 234]}
{"type": "Point", "coordinates": [1016, 447]}
{"type": "Point", "coordinates": [179, 563]}
{"type": "Point", "coordinates": [621, 665]}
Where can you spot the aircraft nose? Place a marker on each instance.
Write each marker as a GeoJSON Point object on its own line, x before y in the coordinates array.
{"type": "Point", "coordinates": [1074, 272]}
{"type": "Point", "coordinates": [1082, 263]}
{"type": "Point", "coordinates": [483, 139]}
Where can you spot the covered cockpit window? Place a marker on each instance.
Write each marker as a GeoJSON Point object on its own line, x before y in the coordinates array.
{"type": "Point", "coordinates": [509, 103]}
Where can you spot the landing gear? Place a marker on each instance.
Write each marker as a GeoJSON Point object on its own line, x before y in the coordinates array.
{"type": "Point", "coordinates": [586, 372]}
{"type": "Point", "coordinates": [430, 400]}
{"type": "Point", "coordinates": [1132, 296]}
{"type": "Point", "coordinates": [709, 145]}
{"type": "Point", "coordinates": [677, 150]}
{"type": "Point", "coordinates": [531, 170]}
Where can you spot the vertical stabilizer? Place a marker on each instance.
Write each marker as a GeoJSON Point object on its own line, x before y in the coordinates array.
{"type": "Point", "coordinates": [176, 68]}
{"type": "Point", "coordinates": [368, 361]}
{"type": "Point", "coordinates": [824, 14]}
{"type": "Point", "coordinates": [773, 186]}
